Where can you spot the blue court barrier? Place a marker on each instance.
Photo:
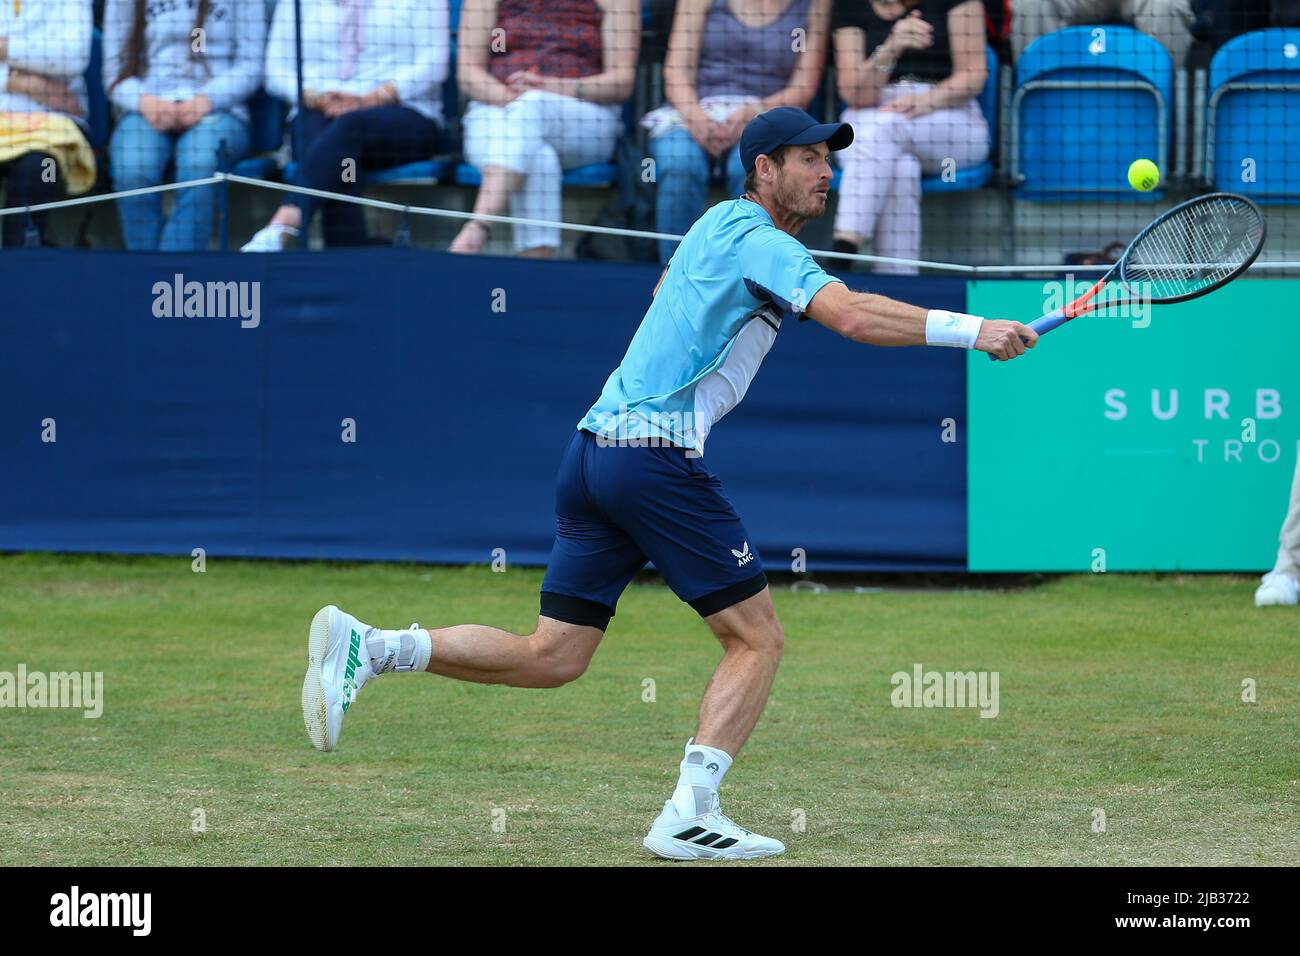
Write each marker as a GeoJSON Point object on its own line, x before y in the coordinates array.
{"type": "Point", "coordinates": [400, 404]}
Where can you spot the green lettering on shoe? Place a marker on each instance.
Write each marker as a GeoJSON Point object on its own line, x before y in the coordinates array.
{"type": "Point", "coordinates": [349, 672]}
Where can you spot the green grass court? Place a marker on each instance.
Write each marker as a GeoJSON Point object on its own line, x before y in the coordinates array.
{"type": "Point", "coordinates": [1119, 693]}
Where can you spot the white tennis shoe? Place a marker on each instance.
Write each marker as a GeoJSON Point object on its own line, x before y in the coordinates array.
{"type": "Point", "coordinates": [710, 836]}
{"type": "Point", "coordinates": [1277, 588]}
{"type": "Point", "coordinates": [270, 238]}
{"type": "Point", "coordinates": [338, 666]}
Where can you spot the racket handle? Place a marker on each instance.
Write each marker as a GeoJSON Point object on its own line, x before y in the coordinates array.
{"type": "Point", "coordinates": [1049, 321]}
{"type": "Point", "coordinates": [1041, 325]}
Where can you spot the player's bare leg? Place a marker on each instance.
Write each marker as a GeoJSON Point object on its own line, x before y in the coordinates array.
{"type": "Point", "coordinates": [554, 654]}
{"type": "Point", "coordinates": [752, 640]}
{"type": "Point", "coordinates": [692, 825]}
{"type": "Point", "coordinates": [344, 654]}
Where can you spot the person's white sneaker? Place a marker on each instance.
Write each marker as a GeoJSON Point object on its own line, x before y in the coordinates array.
{"type": "Point", "coordinates": [270, 238]}
{"type": "Point", "coordinates": [710, 836]}
{"type": "Point", "coordinates": [1277, 588]}
{"type": "Point", "coordinates": [338, 666]}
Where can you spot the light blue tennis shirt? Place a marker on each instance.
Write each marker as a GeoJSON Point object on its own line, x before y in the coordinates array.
{"type": "Point", "coordinates": [732, 280]}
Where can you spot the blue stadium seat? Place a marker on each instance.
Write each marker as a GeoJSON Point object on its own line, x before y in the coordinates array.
{"type": "Point", "coordinates": [425, 172]}
{"type": "Point", "coordinates": [1089, 100]}
{"type": "Point", "coordinates": [1251, 115]}
{"type": "Point", "coordinates": [594, 174]}
{"type": "Point", "coordinates": [97, 111]}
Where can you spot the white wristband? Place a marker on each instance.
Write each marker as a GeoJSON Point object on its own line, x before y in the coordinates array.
{"type": "Point", "coordinates": [952, 329]}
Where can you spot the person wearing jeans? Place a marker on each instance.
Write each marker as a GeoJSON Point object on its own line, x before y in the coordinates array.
{"type": "Point", "coordinates": [728, 61]}
{"type": "Point", "coordinates": [180, 77]}
{"type": "Point", "coordinates": [140, 153]}
{"type": "Point", "coordinates": [683, 169]}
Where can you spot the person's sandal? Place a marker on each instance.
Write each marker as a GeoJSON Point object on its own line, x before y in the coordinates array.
{"type": "Point", "coordinates": [487, 231]}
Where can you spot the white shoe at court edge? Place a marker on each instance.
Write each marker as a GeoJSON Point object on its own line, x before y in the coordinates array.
{"type": "Point", "coordinates": [337, 668]}
{"type": "Point", "coordinates": [710, 836]}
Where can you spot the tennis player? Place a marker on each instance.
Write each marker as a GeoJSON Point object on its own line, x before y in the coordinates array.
{"type": "Point", "coordinates": [632, 483]}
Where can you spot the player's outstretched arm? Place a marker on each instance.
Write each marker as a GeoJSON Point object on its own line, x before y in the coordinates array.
{"type": "Point", "coordinates": [879, 320]}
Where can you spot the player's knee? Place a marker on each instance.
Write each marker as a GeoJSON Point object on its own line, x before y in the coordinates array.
{"type": "Point", "coordinates": [765, 637]}
{"type": "Point", "coordinates": [556, 664]}
{"type": "Point", "coordinates": [776, 640]}
{"type": "Point", "coordinates": [768, 641]}
{"type": "Point", "coordinates": [558, 673]}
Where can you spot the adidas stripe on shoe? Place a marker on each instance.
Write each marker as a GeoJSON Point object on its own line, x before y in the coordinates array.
{"type": "Point", "coordinates": [710, 836]}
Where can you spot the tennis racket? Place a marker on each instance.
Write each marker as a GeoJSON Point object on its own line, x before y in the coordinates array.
{"type": "Point", "coordinates": [1191, 250]}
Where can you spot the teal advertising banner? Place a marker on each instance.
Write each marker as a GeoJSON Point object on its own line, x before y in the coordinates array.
{"type": "Point", "coordinates": [1160, 439]}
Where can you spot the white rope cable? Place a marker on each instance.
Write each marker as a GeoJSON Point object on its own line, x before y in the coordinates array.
{"type": "Point", "coordinates": [106, 197]}
{"type": "Point", "coordinates": [519, 220]}
{"type": "Point", "coordinates": [405, 208]}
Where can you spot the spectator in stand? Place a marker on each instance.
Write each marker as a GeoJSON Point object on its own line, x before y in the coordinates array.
{"type": "Point", "coordinates": [179, 76]}
{"type": "Point", "coordinates": [912, 105]}
{"type": "Point", "coordinates": [728, 61]}
{"type": "Point", "coordinates": [44, 51]}
{"type": "Point", "coordinates": [1218, 21]}
{"type": "Point", "coordinates": [547, 100]}
{"type": "Point", "coordinates": [372, 97]}
{"type": "Point", "coordinates": [1169, 21]}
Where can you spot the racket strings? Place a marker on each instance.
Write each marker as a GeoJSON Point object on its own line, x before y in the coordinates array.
{"type": "Point", "coordinates": [1198, 246]}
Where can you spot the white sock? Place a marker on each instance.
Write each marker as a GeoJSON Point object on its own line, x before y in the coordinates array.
{"type": "Point", "coordinates": [398, 651]}
{"type": "Point", "coordinates": [702, 771]}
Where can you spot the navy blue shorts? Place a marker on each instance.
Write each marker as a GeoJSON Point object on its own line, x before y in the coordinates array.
{"type": "Point", "coordinates": [617, 506]}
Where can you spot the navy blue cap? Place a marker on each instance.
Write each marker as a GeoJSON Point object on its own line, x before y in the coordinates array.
{"type": "Point", "coordinates": [788, 126]}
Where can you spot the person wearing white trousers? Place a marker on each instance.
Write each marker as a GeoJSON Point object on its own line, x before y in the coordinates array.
{"type": "Point", "coordinates": [1282, 584]}
{"type": "Point", "coordinates": [925, 120]}
{"type": "Point", "coordinates": [537, 136]}
{"type": "Point", "coordinates": [548, 100]}
{"type": "Point", "coordinates": [1168, 21]}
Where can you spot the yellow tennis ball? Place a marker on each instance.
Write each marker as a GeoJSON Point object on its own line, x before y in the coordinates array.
{"type": "Point", "coordinates": [1143, 175]}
